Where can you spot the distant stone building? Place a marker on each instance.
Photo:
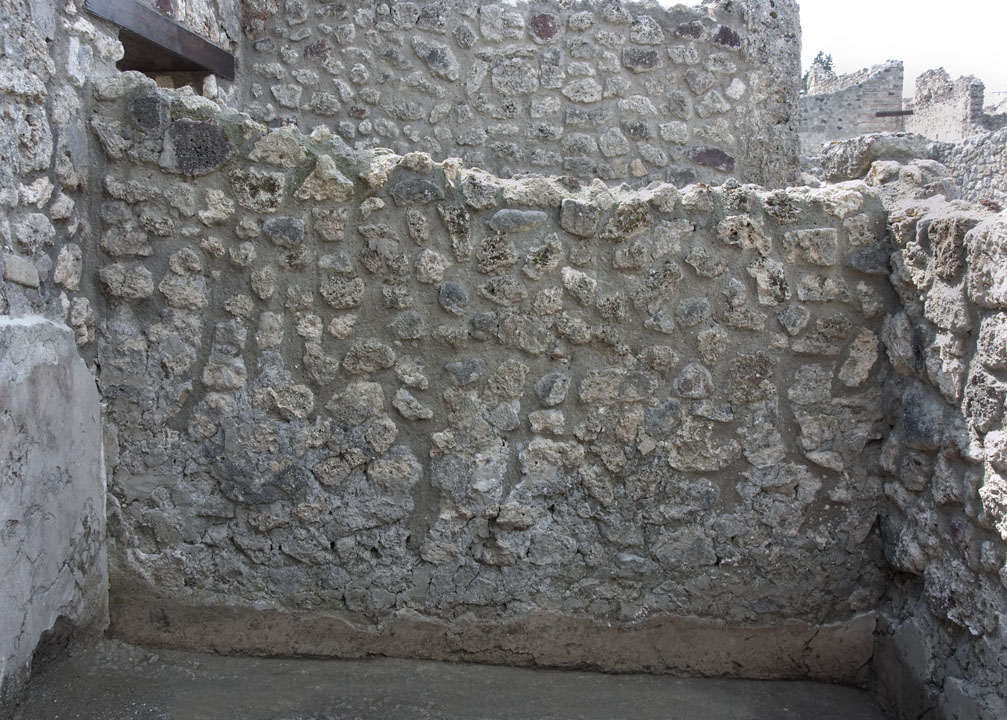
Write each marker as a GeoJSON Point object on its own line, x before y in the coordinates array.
{"type": "Point", "coordinates": [950, 111]}
{"type": "Point", "coordinates": [970, 141]}
{"type": "Point", "coordinates": [837, 107]}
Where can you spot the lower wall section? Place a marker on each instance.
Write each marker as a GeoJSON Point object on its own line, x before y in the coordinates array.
{"type": "Point", "coordinates": [52, 493]}
{"type": "Point", "coordinates": [925, 668]}
{"type": "Point", "coordinates": [834, 652]}
{"type": "Point", "coordinates": [369, 385]}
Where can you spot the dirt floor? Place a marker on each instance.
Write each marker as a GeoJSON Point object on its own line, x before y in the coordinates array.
{"type": "Point", "coordinates": [113, 681]}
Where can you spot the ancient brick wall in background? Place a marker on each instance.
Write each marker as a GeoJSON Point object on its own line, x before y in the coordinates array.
{"type": "Point", "coordinates": [837, 107]}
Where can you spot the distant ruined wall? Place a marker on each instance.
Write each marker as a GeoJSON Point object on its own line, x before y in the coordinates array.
{"type": "Point", "coordinates": [590, 89]}
{"type": "Point", "coordinates": [950, 111]}
{"type": "Point", "coordinates": [973, 144]}
{"type": "Point", "coordinates": [837, 107]}
{"type": "Point", "coordinates": [390, 405]}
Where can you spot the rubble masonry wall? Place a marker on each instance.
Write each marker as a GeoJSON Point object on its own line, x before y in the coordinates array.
{"type": "Point", "coordinates": [605, 89]}
{"type": "Point", "coordinates": [389, 405]}
{"type": "Point", "coordinates": [980, 165]}
{"type": "Point", "coordinates": [389, 392]}
{"type": "Point", "coordinates": [942, 634]}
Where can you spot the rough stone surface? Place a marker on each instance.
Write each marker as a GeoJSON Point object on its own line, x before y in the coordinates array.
{"type": "Point", "coordinates": [979, 164]}
{"type": "Point", "coordinates": [396, 403]}
{"type": "Point", "coordinates": [505, 385]}
{"type": "Point", "coordinates": [941, 465]}
{"type": "Point", "coordinates": [510, 89]}
{"type": "Point", "coordinates": [851, 159]}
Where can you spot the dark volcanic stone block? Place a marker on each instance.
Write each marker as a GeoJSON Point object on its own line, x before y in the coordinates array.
{"type": "Point", "coordinates": [284, 231]}
{"type": "Point", "coordinates": [712, 157]}
{"type": "Point", "coordinates": [727, 36]}
{"type": "Point", "coordinates": [151, 111]}
{"type": "Point", "coordinates": [195, 147]}
{"type": "Point", "coordinates": [640, 59]}
{"type": "Point", "coordinates": [415, 191]}
{"type": "Point", "coordinates": [545, 26]}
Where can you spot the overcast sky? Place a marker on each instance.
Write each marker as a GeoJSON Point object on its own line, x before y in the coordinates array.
{"type": "Point", "coordinates": [965, 37]}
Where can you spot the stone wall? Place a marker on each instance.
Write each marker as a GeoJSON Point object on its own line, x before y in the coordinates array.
{"type": "Point", "coordinates": [980, 166]}
{"type": "Point", "coordinates": [368, 403]}
{"type": "Point", "coordinates": [943, 639]}
{"type": "Point", "coordinates": [219, 21]}
{"type": "Point", "coordinates": [837, 107]}
{"type": "Point", "coordinates": [591, 89]}
{"type": "Point", "coordinates": [52, 494]}
{"type": "Point", "coordinates": [950, 111]}
{"type": "Point", "coordinates": [427, 408]}
{"type": "Point", "coordinates": [51, 479]}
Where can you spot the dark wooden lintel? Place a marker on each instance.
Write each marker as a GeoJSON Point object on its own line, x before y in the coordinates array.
{"type": "Point", "coordinates": [893, 113]}
{"type": "Point", "coordinates": [154, 43]}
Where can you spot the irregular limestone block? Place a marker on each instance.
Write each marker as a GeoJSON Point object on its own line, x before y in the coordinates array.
{"type": "Point", "coordinates": [325, 182]}
{"type": "Point", "coordinates": [20, 270]}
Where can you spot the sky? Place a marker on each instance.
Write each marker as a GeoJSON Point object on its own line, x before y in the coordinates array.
{"type": "Point", "coordinates": [965, 37]}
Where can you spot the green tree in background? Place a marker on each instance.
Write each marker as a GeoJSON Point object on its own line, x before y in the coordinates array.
{"type": "Point", "coordinates": [825, 61]}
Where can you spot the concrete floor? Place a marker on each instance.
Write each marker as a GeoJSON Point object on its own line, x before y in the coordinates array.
{"type": "Point", "coordinates": [113, 681]}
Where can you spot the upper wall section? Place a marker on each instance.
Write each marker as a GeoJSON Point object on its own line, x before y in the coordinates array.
{"type": "Point", "coordinates": [216, 20]}
{"type": "Point", "coordinates": [822, 81]}
{"type": "Point", "coordinates": [844, 106]}
{"type": "Point", "coordinates": [590, 89]}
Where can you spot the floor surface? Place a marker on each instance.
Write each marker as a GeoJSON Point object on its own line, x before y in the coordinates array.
{"type": "Point", "coordinates": [113, 681]}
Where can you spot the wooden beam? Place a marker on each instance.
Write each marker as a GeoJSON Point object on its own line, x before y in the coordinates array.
{"type": "Point", "coordinates": [154, 43]}
{"type": "Point", "coordinates": [141, 54]}
{"type": "Point", "coordinates": [893, 113]}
